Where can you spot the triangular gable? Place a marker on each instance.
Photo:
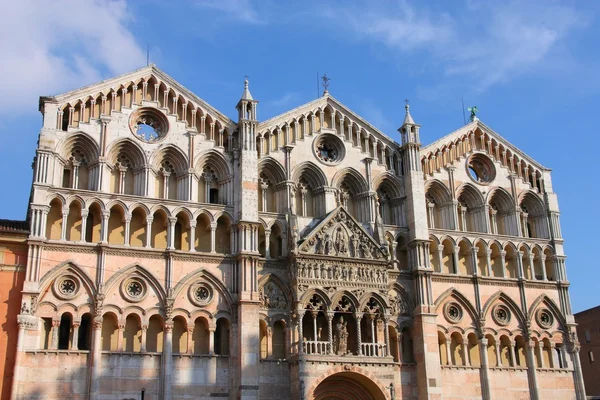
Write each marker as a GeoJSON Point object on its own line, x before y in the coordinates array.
{"type": "Point", "coordinates": [340, 235]}
{"type": "Point", "coordinates": [451, 138]}
{"type": "Point", "coordinates": [295, 114]}
{"type": "Point", "coordinates": [125, 79]}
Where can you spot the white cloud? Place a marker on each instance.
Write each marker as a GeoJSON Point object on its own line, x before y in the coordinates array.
{"type": "Point", "coordinates": [241, 10]}
{"type": "Point", "coordinates": [487, 43]}
{"type": "Point", "coordinates": [50, 47]}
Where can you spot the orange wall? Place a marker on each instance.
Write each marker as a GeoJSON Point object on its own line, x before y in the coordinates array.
{"type": "Point", "coordinates": [13, 255]}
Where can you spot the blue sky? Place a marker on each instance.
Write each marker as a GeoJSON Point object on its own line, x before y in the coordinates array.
{"type": "Point", "coordinates": [530, 67]}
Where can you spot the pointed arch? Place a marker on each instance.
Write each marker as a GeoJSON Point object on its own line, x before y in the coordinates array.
{"type": "Point", "coordinates": [215, 161]}
{"type": "Point", "coordinates": [169, 158]}
{"type": "Point", "coordinates": [462, 299]}
{"type": "Point", "coordinates": [80, 146]}
{"type": "Point", "coordinates": [337, 297]}
{"type": "Point", "coordinates": [508, 301]}
{"type": "Point", "coordinates": [132, 269]}
{"type": "Point", "coordinates": [67, 266]}
{"type": "Point", "coordinates": [389, 183]}
{"type": "Point", "coordinates": [501, 199]}
{"type": "Point", "coordinates": [319, 293]}
{"type": "Point", "coordinates": [438, 191]}
{"type": "Point", "coordinates": [351, 178]}
{"type": "Point", "coordinates": [554, 308]}
{"type": "Point", "coordinates": [310, 173]}
{"type": "Point", "coordinates": [272, 169]}
{"type": "Point", "coordinates": [364, 299]}
{"type": "Point", "coordinates": [126, 151]}
{"type": "Point", "coordinates": [205, 275]}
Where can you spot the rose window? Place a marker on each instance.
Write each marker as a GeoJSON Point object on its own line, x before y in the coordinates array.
{"type": "Point", "coordinates": [327, 152]}
{"type": "Point", "coordinates": [201, 294]}
{"type": "Point", "coordinates": [148, 124]}
{"type": "Point", "coordinates": [329, 149]}
{"type": "Point", "coordinates": [134, 289]}
{"type": "Point", "coordinates": [481, 169]}
{"type": "Point", "coordinates": [67, 286]}
{"type": "Point", "coordinates": [501, 315]}
{"type": "Point", "coordinates": [453, 312]}
{"type": "Point", "coordinates": [545, 319]}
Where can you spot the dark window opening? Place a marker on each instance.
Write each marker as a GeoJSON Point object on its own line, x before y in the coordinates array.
{"type": "Point", "coordinates": [66, 180]}
{"type": "Point", "coordinates": [83, 339]}
{"type": "Point", "coordinates": [214, 196]}
{"type": "Point", "coordinates": [89, 228]}
{"type": "Point", "coordinates": [64, 332]}
{"type": "Point", "coordinates": [65, 120]}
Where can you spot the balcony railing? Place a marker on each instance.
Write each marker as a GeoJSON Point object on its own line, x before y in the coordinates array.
{"type": "Point", "coordinates": [373, 349]}
{"type": "Point", "coordinates": [316, 347]}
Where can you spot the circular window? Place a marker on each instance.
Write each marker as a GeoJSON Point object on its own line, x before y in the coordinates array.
{"type": "Point", "coordinates": [501, 315]}
{"type": "Point", "coordinates": [201, 294]}
{"type": "Point", "coordinates": [66, 287]}
{"type": "Point", "coordinates": [481, 168]}
{"type": "Point", "coordinates": [545, 319]}
{"type": "Point", "coordinates": [329, 149]}
{"type": "Point", "coordinates": [453, 312]}
{"type": "Point", "coordinates": [134, 289]}
{"type": "Point", "coordinates": [148, 124]}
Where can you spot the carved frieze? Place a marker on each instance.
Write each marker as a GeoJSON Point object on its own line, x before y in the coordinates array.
{"type": "Point", "coordinates": [323, 273]}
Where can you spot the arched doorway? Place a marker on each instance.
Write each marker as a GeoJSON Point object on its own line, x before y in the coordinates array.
{"type": "Point", "coordinates": [348, 386]}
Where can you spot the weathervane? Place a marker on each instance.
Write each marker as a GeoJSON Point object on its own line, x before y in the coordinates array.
{"type": "Point", "coordinates": [325, 80]}
{"type": "Point", "coordinates": [473, 110]}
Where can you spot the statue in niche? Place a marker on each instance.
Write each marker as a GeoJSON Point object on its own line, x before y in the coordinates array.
{"type": "Point", "coordinates": [341, 338]}
{"type": "Point", "coordinates": [366, 250]}
{"type": "Point", "coordinates": [341, 241]}
{"type": "Point", "coordinates": [320, 244]}
{"type": "Point", "coordinates": [355, 242]}
{"type": "Point", "coordinates": [328, 244]}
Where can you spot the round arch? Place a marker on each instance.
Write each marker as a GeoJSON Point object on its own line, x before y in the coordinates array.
{"type": "Point", "coordinates": [348, 385]}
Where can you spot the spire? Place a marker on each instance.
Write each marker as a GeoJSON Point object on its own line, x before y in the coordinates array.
{"type": "Point", "coordinates": [246, 95]}
{"type": "Point", "coordinates": [409, 129]}
{"type": "Point", "coordinates": [408, 120]}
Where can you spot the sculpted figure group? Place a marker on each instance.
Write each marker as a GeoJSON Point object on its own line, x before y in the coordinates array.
{"type": "Point", "coordinates": [342, 272]}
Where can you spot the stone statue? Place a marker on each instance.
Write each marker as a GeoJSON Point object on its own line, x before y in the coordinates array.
{"type": "Point", "coordinates": [341, 337]}
{"type": "Point", "coordinates": [342, 242]}
{"type": "Point", "coordinates": [355, 242]}
{"type": "Point", "coordinates": [366, 250]}
{"type": "Point", "coordinates": [328, 244]}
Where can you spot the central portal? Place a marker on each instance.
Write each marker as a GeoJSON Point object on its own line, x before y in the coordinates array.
{"type": "Point", "coordinates": [348, 386]}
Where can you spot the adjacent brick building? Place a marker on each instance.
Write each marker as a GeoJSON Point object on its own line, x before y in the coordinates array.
{"type": "Point", "coordinates": [588, 331]}
{"type": "Point", "coordinates": [13, 257]}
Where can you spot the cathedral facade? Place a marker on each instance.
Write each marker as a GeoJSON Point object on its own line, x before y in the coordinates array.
{"type": "Point", "coordinates": [177, 254]}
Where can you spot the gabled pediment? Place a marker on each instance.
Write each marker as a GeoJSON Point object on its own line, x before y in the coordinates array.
{"type": "Point", "coordinates": [351, 119]}
{"type": "Point", "coordinates": [461, 137]}
{"type": "Point", "coordinates": [128, 80]}
{"type": "Point", "coordinates": [340, 235]}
